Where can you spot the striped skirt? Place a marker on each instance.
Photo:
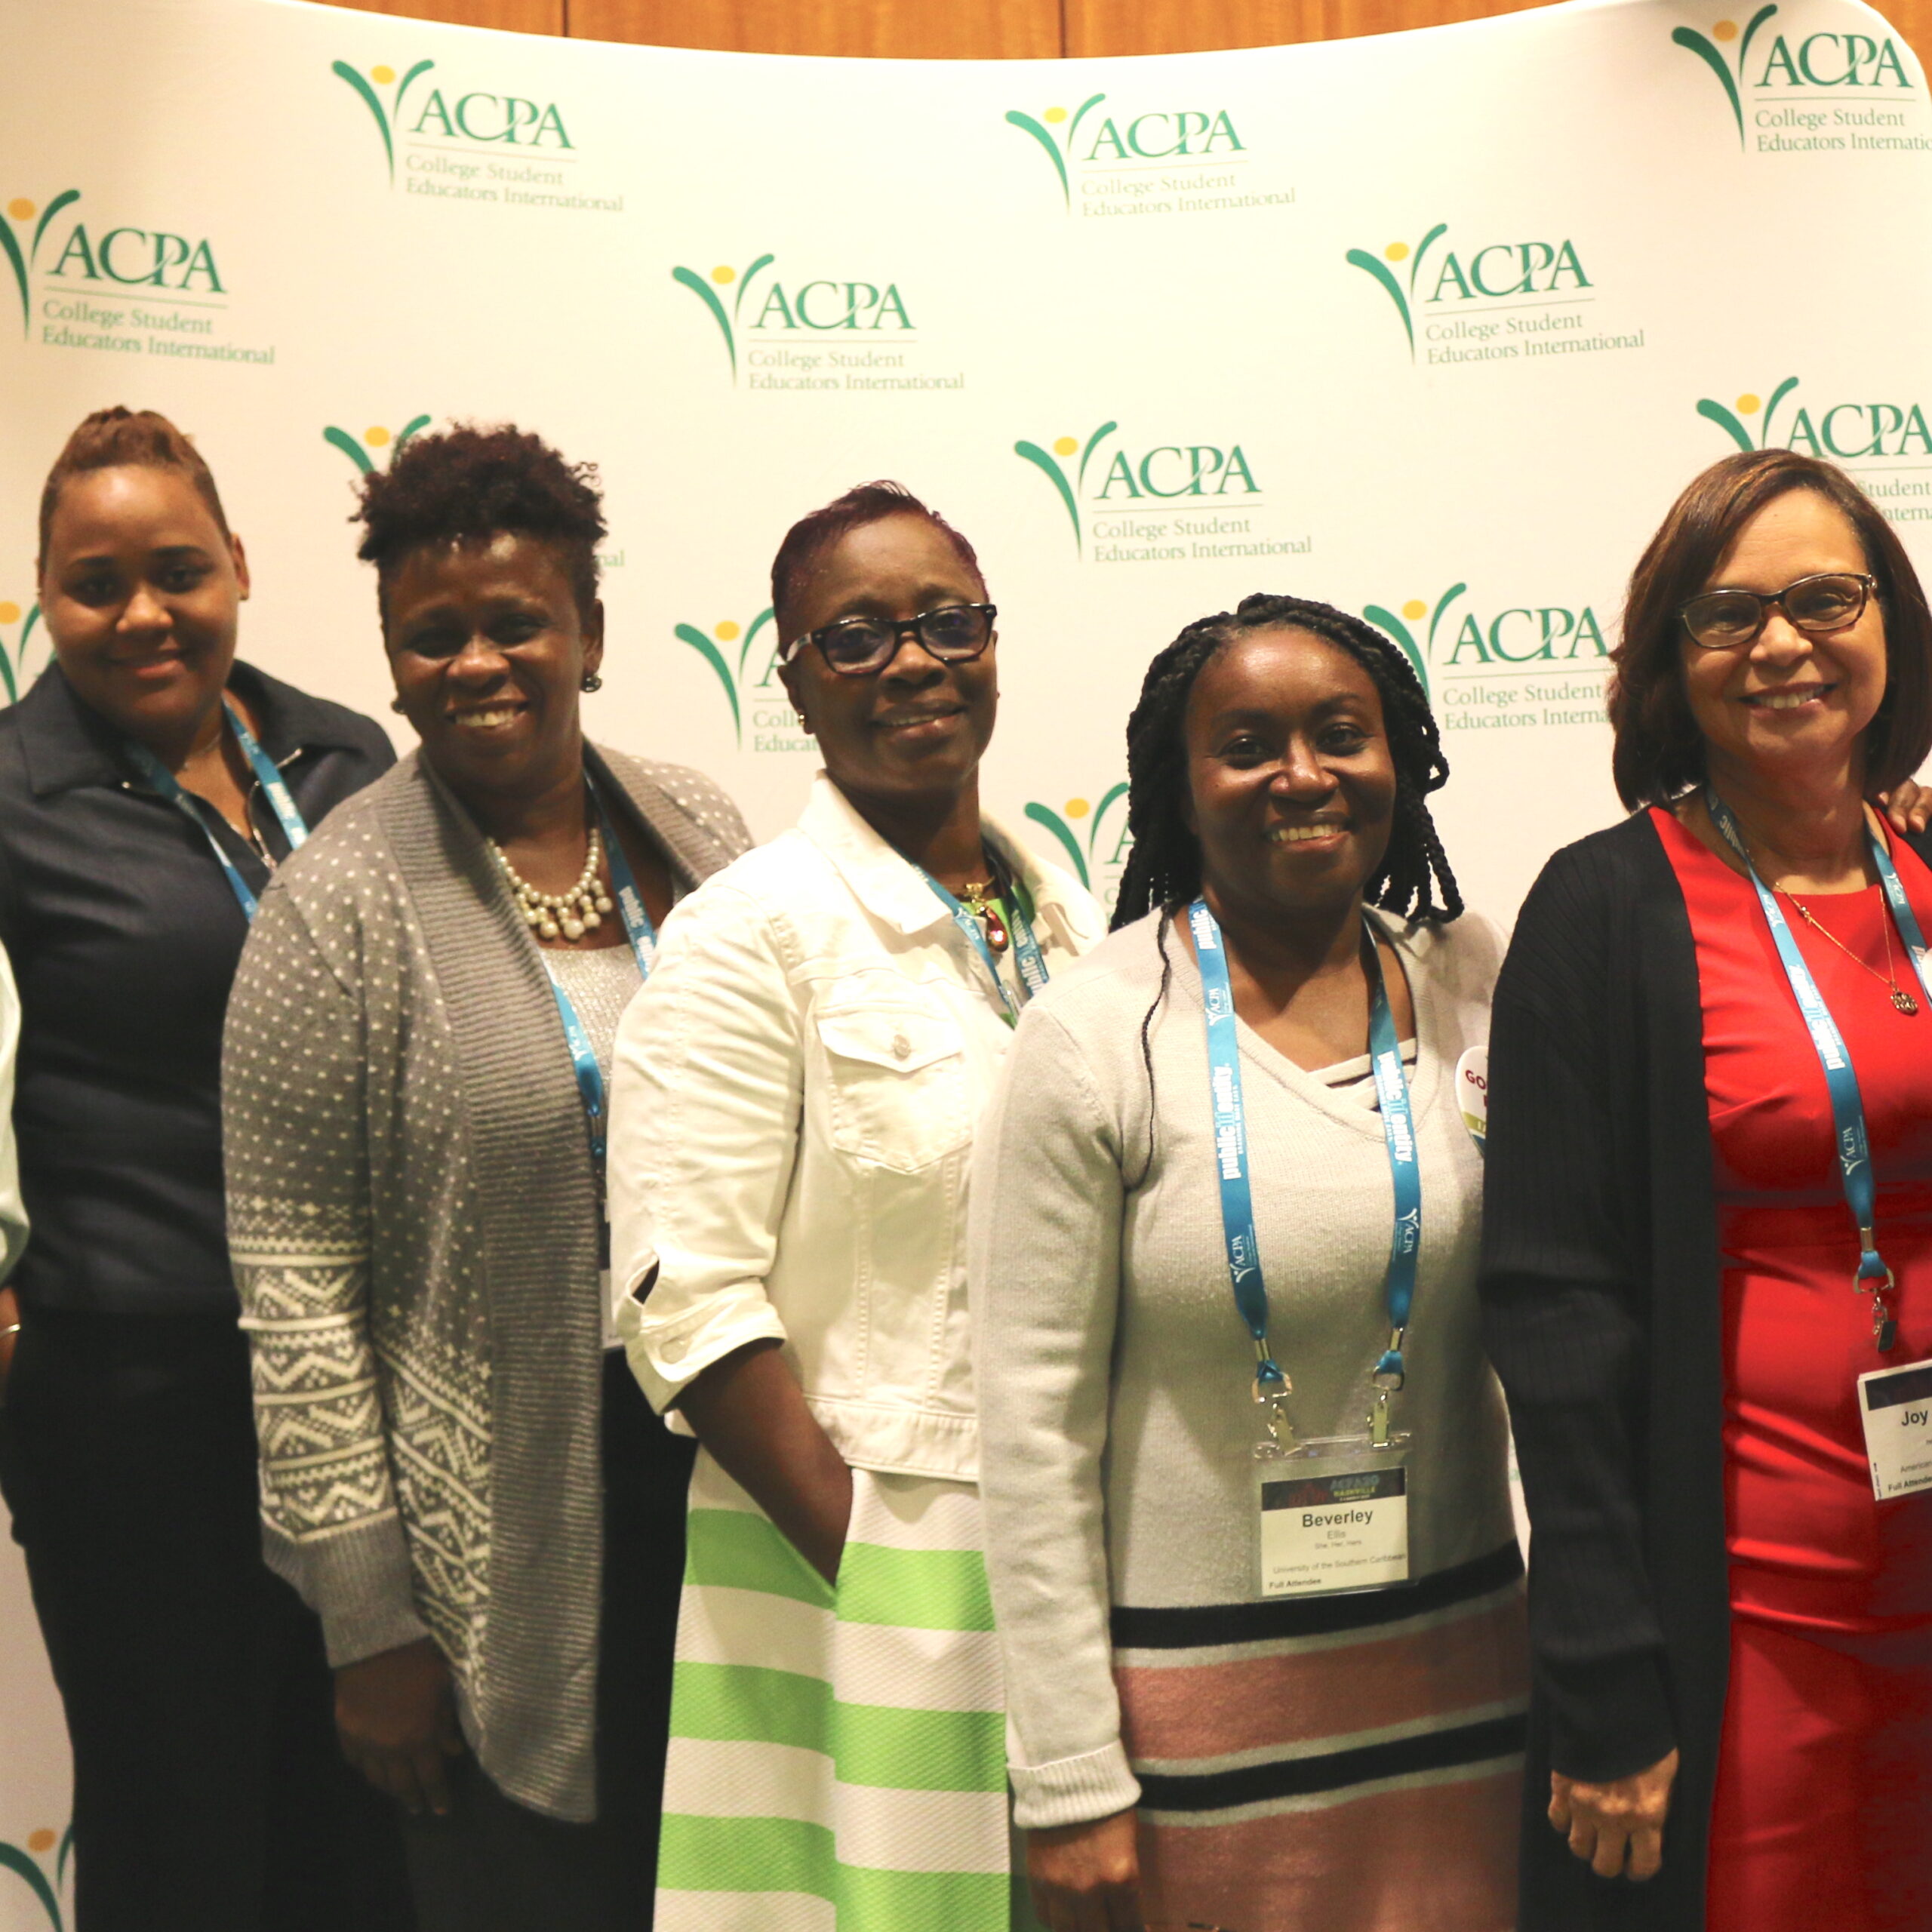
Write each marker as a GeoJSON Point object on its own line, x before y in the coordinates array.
{"type": "Point", "coordinates": [837, 1757]}
{"type": "Point", "coordinates": [1344, 1763]}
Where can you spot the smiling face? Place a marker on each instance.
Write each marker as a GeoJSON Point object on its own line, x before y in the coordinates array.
{"type": "Point", "coordinates": [917, 727]}
{"type": "Point", "coordinates": [489, 651]}
{"type": "Point", "coordinates": [141, 593]}
{"type": "Point", "coordinates": [1291, 782]}
{"type": "Point", "coordinates": [1789, 704]}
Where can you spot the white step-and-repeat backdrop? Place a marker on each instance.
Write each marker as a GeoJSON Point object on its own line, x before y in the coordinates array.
{"type": "Point", "coordinates": [1431, 326]}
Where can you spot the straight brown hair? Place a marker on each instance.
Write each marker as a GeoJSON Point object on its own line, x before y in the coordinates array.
{"type": "Point", "coordinates": [1660, 751]}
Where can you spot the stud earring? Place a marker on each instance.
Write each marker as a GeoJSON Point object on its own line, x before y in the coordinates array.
{"type": "Point", "coordinates": [396, 705]}
{"type": "Point", "coordinates": [591, 682]}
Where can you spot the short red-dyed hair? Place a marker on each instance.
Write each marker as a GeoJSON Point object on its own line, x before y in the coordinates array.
{"type": "Point", "coordinates": [808, 541]}
{"type": "Point", "coordinates": [1659, 750]}
{"type": "Point", "coordinates": [124, 438]}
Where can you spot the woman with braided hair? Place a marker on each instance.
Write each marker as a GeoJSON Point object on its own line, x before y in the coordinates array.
{"type": "Point", "coordinates": [1248, 1526]}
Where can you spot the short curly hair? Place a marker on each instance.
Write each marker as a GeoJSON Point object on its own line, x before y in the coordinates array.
{"type": "Point", "coordinates": [466, 484]}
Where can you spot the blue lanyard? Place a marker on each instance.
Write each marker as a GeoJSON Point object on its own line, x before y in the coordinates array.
{"type": "Point", "coordinates": [643, 936]}
{"type": "Point", "coordinates": [1026, 952]}
{"type": "Point", "coordinates": [1271, 1383]}
{"type": "Point", "coordinates": [1861, 1192]}
{"type": "Point", "coordinates": [282, 802]}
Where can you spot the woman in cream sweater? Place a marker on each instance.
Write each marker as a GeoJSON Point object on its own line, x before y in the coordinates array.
{"type": "Point", "coordinates": [1264, 1670]}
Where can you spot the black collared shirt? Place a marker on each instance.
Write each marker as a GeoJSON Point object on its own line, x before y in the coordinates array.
{"type": "Point", "coordinates": [124, 934]}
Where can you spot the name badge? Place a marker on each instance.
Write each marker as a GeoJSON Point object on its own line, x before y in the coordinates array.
{"type": "Point", "coordinates": [1896, 1405]}
{"type": "Point", "coordinates": [1346, 1530]}
{"type": "Point", "coordinates": [1472, 1094]}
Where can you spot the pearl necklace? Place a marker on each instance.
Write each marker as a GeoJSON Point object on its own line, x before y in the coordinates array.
{"type": "Point", "coordinates": [561, 914]}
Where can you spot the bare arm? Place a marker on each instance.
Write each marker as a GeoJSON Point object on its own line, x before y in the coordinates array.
{"type": "Point", "coordinates": [750, 1412]}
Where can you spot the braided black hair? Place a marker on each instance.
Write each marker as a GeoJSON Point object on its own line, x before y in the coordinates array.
{"type": "Point", "coordinates": [1163, 867]}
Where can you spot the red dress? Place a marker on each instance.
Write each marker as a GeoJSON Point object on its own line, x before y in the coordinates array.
{"type": "Point", "coordinates": [1823, 1818]}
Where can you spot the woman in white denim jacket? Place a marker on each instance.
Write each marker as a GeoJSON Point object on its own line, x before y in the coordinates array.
{"type": "Point", "coordinates": [796, 1094]}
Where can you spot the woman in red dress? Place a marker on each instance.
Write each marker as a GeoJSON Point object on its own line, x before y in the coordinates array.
{"type": "Point", "coordinates": [1733, 1634]}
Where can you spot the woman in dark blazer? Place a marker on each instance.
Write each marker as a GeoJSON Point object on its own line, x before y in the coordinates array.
{"type": "Point", "coordinates": [1731, 1633]}
{"type": "Point", "coordinates": [150, 786]}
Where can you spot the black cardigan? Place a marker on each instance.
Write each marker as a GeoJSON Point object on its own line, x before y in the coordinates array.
{"type": "Point", "coordinates": [1603, 1316]}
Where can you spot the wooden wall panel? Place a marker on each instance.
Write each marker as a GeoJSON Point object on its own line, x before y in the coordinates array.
{"type": "Point", "coordinates": [888, 29]}
{"type": "Point", "coordinates": [1193, 26]}
{"type": "Point", "coordinates": [991, 29]}
{"type": "Point", "coordinates": [515, 15]}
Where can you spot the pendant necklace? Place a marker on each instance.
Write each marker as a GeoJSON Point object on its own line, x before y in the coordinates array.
{"type": "Point", "coordinates": [1902, 1000]}
{"type": "Point", "coordinates": [982, 898]}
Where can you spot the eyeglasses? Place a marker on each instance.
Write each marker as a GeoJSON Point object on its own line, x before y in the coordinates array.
{"type": "Point", "coordinates": [1727, 619]}
{"type": "Point", "coordinates": [954, 633]}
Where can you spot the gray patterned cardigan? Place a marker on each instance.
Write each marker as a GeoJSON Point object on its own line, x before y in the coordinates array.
{"type": "Point", "coordinates": [413, 1217]}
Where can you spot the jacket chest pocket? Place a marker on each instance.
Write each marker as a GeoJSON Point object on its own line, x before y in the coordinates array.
{"type": "Point", "coordinates": [896, 1082]}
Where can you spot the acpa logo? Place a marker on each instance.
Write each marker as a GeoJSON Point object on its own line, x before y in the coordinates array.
{"type": "Point", "coordinates": [77, 259]}
{"type": "Point", "coordinates": [1816, 64]}
{"type": "Point", "coordinates": [1839, 432]}
{"type": "Point", "coordinates": [746, 670]}
{"type": "Point", "coordinates": [1472, 640]}
{"type": "Point", "coordinates": [366, 451]}
{"type": "Point", "coordinates": [813, 306]}
{"type": "Point", "coordinates": [1131, 476]}
{"type": "Point", "coordinates": [1094, 837]}
{"type": "Point", "coordinates": [450, 115]}
{"type": "Point", "coordinates": [1459, 279]}
{"type": "Point", "coordinates": [1119, 139]}
{"type": "Point", "coordinates": [16, 643]}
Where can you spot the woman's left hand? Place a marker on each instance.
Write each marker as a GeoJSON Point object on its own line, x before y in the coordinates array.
{"type": "Point", "coordinates": [1908, 805]}
{"type": "Point", "coordinates": [1608, 1824]}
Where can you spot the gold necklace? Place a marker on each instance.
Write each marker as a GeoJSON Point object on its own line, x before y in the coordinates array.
{"type": "Point", "coordinates": [1902, 1000]}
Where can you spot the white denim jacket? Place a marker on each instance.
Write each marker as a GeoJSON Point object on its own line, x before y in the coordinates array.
{"type": "Point", "coordinates": [794, 1096]}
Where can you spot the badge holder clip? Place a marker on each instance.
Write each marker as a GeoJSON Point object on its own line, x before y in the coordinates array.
{"type": "Point", "coordinates": [1884, 1326]}
{"type": "Point", "coordinates": [1272, 1391]}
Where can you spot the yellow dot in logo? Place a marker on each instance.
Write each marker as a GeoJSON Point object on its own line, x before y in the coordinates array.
{"type": "Point", "coordinates": [9, 613]}
{"type": "Point", "coordinates": [1396, 251]}
{"type": "Point", "coordinates": [1056, 114]}
{"type": "Point", "coordinates": [377, 437]}
{"type": "Point", "coordinates": [20, 208]}
{"type": "Point", "coordinates": [1747, 405]}
{"type": "Point", "coordinates": [42, 1840]}
{"type": "Point", "coordinates": [725, 631]}
{"type": "Point", "coordinates": [722, 275]}
{"type": "Point", "coordinates": [1725, 30]}
{"type": "Point", "coordinates": [382, 76]}
{"type": "Point", "coordinates": [1078, 808]}
{"type": "Point", "coordinates": [1065, 445]}
{"type": "Point", "coordinates": [1414, 608]}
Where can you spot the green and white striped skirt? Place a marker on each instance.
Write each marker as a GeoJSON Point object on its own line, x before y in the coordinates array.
{"type": "Point", "coordinates": [837, 1759]}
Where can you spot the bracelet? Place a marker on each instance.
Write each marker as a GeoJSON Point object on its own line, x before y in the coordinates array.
{"type": "Point", "coordinates": [12, 1328]}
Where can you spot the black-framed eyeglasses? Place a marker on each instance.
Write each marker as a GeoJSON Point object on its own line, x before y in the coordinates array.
{"type": "Point", "coordinates": [1728, 619]}
{"type": "Point", "coordinates": [954, 633]}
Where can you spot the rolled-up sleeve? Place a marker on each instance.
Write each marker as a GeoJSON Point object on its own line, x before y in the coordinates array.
{"type": "Point", "coordinates": [706, 1086]}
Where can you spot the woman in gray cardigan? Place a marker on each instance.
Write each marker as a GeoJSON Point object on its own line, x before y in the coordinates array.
{"type": "Point", "coordinates": [417, 1050]}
